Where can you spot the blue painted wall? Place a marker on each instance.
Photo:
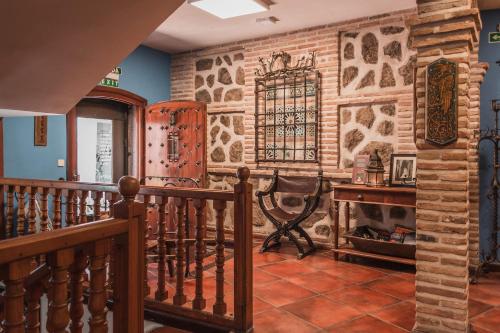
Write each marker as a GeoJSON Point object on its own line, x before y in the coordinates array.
{"type": "Point", "coordinates": [490, 89]}
{"type": "Point", "coordinates": [145, 72]}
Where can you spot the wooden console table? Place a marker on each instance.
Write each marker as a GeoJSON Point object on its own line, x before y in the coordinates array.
{"type": "Point", "coordinates": [390, 196]}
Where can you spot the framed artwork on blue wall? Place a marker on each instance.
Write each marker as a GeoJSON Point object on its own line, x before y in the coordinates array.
{"type": "Point", "coordinates": [41, 130]}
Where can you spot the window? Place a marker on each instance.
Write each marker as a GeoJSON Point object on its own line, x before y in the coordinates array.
{"type": "Point", "coordinates": [286, 104]}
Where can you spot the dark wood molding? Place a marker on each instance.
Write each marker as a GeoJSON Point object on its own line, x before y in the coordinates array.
{"type": "Point", "coordinates": [137, 102]}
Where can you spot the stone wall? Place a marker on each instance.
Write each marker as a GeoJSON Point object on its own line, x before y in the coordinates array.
{"type": "Point", "coordinates": [386, 122]}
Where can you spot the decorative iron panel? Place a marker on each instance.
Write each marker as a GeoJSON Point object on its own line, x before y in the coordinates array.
{"type": "Point", "coordinates": [286, 110]}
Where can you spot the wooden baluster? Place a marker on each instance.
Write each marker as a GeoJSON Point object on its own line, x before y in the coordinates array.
{"type": "Point", "coordinates": [32, 211]}
{"type": "Point", "coordinates": [83, 207]}
{"type": "Point", "coordinates": [33, 308]}
{"type": "Point", "coordinates": [179, 297]}
{"type": "Point", "coordinates": [76, 309]}
{"type": "Point", "coordinates": [161, 292]}
{"type": "Point", "coordinates": [243, 243]}
{"type": "Point", "coordinates": [70, 215]}
{"type": "Point", "coordinates": [98, 294]}
{"type": "Point", "coordinates": [21, 216]}
{"type": "Point", "coordinates": [58, 313]}
{"type": "Point", "coordinates": [75, 208]}
{"type": "Point", "coordinates": [147, 200]}
{"type": "Point", "coordinates": [112, 201]}
{"type": "Point", "coordinates": [220, 306]}
{"type": "Point", "coordinates": [15, 273]}
{"type": "Point", "coordinates": [199, 302]}
{"type": "Point", "coordinates": [97, 205]}
{"type": "Point", "coordinates": [9, 226]}
{"type": "Point", "coordinates": [57, 209]}
{"type": "Point", "coordinates": [44, 219]}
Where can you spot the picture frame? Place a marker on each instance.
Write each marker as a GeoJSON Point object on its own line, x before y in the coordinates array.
{"type": "Point", "coordinates": [359, 169]}
{"type": "Point", "coordinates": [403, 170]}
{"type": "Point", "coordinates": [40, 128]}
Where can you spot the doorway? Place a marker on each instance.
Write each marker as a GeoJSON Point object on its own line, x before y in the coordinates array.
{"type": "Point", "coordinates": [102, 140]}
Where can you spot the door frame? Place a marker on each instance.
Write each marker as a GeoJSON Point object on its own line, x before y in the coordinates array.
{"type": "Point", "coordinates": [134, 101]}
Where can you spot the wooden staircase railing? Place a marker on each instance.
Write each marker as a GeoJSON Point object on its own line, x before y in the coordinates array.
{"type": "Point", "coordinates": [67, 253]}
{"type": "Point", "coordinates": [182, 297]}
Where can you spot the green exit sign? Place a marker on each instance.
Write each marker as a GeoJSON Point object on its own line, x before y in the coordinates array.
{"type": "Point", "coordinates": [494, 37]}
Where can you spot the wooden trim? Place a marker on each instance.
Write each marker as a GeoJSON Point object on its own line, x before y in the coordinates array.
{"type": "Point", "coordinates": [114, 94]}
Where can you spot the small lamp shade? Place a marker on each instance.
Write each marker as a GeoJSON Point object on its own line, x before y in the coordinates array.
{"type": "Point", "coordinates": [375, 170]}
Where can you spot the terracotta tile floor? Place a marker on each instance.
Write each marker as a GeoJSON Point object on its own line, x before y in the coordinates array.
{"type": "Point", "coordinates": [318, 294]}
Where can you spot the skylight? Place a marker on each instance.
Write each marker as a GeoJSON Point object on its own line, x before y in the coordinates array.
{"type": "Point", "coordinates": [230, 8]}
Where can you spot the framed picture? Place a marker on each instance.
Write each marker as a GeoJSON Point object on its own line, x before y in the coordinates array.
{"type": "Point", "coordinates": [403, 170]}
{"type": "Point", "coordinates": [41, 130]}
{"type": "Point", "coordinates": [358, 169]}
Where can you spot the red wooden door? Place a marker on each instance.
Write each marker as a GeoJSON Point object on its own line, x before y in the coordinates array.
{"type": "Point", "coordinates": [175, 152]}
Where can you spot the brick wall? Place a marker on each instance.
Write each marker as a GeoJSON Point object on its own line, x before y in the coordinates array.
{"type": "Point", "coordinates": [338, 94]}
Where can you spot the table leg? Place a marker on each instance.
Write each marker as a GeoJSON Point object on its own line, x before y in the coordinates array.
{"type": "Point", "coordinates": [347, 216]}
{"type": "Point", "coordinates": [336, 228]}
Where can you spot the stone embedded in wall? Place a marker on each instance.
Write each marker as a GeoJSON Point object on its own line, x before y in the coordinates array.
{"type": "Point", "coordinates": [224, 76]}
{"type": "Point", "coordinates": [292, 201]}
{"type": "Point", "coordinates": [373, 212]}
{"type": "Point", "coordinates": [311, 220]}
{"type": "Point", "coordinates": [348, 163]}
{"type": "Point", "coordinates": [218, 155]}
{"type": "Point", "coordinates": [407, 70]}
{"type": "Point", "coordinates": [393, 50]}
{"type": "Point", "coordinates": [397, 213]}
{"type": "Point", "coordinates": [203, 96]}
{"type": "Point", "coordinates": [350, 73]}
{"type": "Point", "coordinates": [225, 137]}
{"type": "Point", "coordinates": [391, 30]}
{"type": "Point", "coordinates": [365, 116]}
{"type": "Point", "coordinates": [238, 126]}
{"type": "Point", "coordinates": [218, 94]}
{"type": "Point", "coordinates": [353, 138]}
{"type": "Point", "coordinates": [204, 64]}
{"type": "Point", "coordinates": [236, 152]}
{"type": "Point", "coordinates": [259, 219]}
{"type": "Point", "coordinates": [349, 51]}
{"type": "Point", "coordinates": [369, 48]}
{"type": "Point", "coordinates": [367, 80]}
{"type": "Point", "coordinates": [385, 150]}
{"type": "Point", "coordinates": [238, 56]}
{"type": "Point", "coordinates": [198, 81]}
{"type": "Point", "coordinates": [323, 230]}
{"type": "Point", "coordinates": [225, 120]}
{"type": "Point", "coordinates": [234, 95]}
{"type": "Point", "coordinates": [214, 131]}
{"type": "Point", "coordinates": [351, 34]}
{"type": "Point", "coordinates": [386, 128]}
{"type": "Point", "coordinates": [371, 52]}
{"type": "Point", "coordinates": [240, 76]}
{"type": "Point", "coordinates": [220, 76]}
{"type": "Point", "coordinates": [227, 60]}
{"type": "Point", "coordinates": [388, 109]}
{"type": "Point", "coordinates": [346, 116]}
{"type": "Point", "coordinates": [213, 118]}
{"type": "Point", "coordinates": [210, 80]}
{"type": "Point", "coordinates": [387, 79]}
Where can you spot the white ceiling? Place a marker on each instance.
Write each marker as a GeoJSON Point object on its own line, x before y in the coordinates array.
{"type": "Point", "coordinates": [190, 28]}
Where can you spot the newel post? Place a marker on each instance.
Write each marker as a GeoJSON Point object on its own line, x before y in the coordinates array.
{"type": "Point", "coordinates": [243, 276]}
{"type": "Point", "coordinates": [128, 292]}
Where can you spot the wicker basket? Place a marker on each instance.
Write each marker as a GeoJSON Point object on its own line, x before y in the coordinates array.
{"type": "Point", "coordinates": [382, 247]}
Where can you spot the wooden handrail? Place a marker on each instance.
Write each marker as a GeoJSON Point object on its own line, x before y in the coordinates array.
{"type": "Point", "coordinates": [179, 192]}
{"type": "Point", "coordinates": [32, 245]}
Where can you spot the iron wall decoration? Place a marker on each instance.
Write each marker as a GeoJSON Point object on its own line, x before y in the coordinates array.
{"type": "Point", "coordinates": [286, 109]}
{"type": "Point", "coordinates": [41, 130]}
{"type": "Point", "coordinates": [441, 102]}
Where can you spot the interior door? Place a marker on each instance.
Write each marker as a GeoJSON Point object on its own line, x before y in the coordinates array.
{"type": "Point", "coordinates": [175, 153]}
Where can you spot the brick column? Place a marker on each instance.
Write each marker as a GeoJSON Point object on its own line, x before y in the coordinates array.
{"type": "Point", "coordinates": [443, 29]}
